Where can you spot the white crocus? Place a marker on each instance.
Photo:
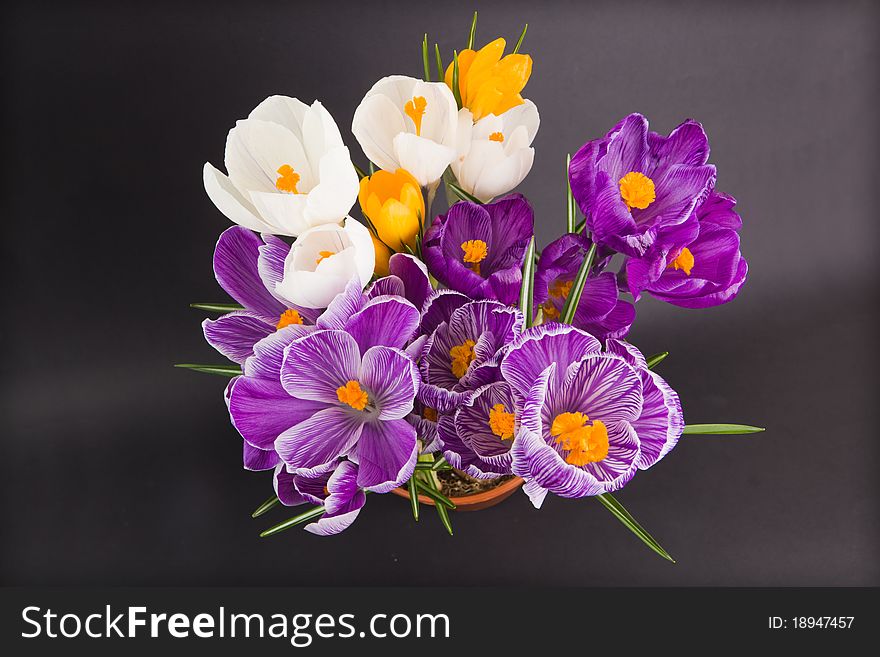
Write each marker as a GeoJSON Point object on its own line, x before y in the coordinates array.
{"type": "Point", "coordinates": [405, 123]}
{"type": "Point", "coordinates": [288, 170]}
{"type": "Point", "coordinates": [323, 260]}
{"type": "Point", "coordinates": [495, 153]}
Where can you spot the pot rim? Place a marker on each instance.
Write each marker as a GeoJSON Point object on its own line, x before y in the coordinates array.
{"type": "Point", "coordinates": [470, 500]}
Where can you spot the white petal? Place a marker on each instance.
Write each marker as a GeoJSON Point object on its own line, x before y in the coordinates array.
{"type": "Point", "coordinates": [365, 252]}
{"type": "Point", "coordinates": [230, 201]}
{"type": "Point", "coordinates": [441, 114]}
{"type": "Point", "coordinates": [397, 88]}
{"type": "Point", "coordinates": [310, 289]}
{"type": "Point", "coordinates": [337, 191]}
{"type": "Point", "coordinates": [376, 122]}
{"type": "Point", "coordinates": [286, 211]}
{"type": "Point", "coordinates": [271, 145]}
{"type": "Point", "coordinates": [524, 115]}
{"type": "Point", "coordinates": [464, 132]}
{"type": "Point", "coordinates": [320, 134]}
{"type": "Point", "coordinates": [504, 176]}
{"type": "Point", "coordinates": [244, 170]}
{"type": "Point", "coordinates": [283, 110]}
{"type": "Point", "coordinates": [487, 125]}
{"type": "Point", "coordinates": [424, 159]}
{"type": "Point", "coordinates": [483, 155]}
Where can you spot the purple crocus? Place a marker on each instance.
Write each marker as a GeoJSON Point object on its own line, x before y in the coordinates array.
{"type": "Point", "coordinates": [479, 249]}
{"type": "Point", "coordinates": [336, 490]}
{"type": "Point", "coordinates": [463, 353]}
{"type": "Point", "coordinates": [599, 312]}
{"type": "Point", "coordinates": [590, 418]}
{"type": "Point", "coordinates": [247, 267]}
{"type": "Point", "coordinates": [633, 182]}
{"type": "Point", "coordinates": [340, 389]}
{"type": "Point", "coordinates": [478, 435]}
{"type": "Point", "coordinates": [701, 267]}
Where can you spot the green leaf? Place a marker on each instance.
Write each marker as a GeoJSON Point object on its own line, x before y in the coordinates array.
{"type": "Point", "coordinates": [463, 195]}
{"type": "Point", "coordinates": [521, 37]}
{"type": "Point", "coordinates": [577, 288]}
{"type": "Point", "coordinates": [473, 32]}
{"type": "Point", "coordinates": [571, 208]}
{"type": "Point", "coordinates": [425, 58]}
{"type": "Point", "coordinates": [441, 74]}
{"type": "Point", "coordinates": [220, 370]}
{"type": "Point", "coordinates": [217, 307]}
{"type": "Point", "coordinates": [314, 512]}
{"type": "Point", "coordinates": [414, 497]}
{"type": "Point", "coordinates": [431, 491]}
{"type": "Point", "coordinates": [266, 506]}
{"type": "Point", "coordinates": [527, 288]}
{"type": "Point", "coordinates": [617, 509]}
{"type": "Point", "coordinates": [372, 167]}
{"type": "Point", "coordinates": [719, 429]}
{"type": "Point", "coordinates": [442, 511]}
{"type": "Point", "coordinates": [656, 359]}
{"type": "Point", "coordinates": [441, 464]}
{"type": "Point", "coordinates": [456, 91]}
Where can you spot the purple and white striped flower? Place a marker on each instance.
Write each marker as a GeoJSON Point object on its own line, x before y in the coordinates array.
{"type": "Point", "coordinates": [336, 490]}
{"type": "Point", "coordinates": [590, 418]}
{"type": "Point", "coordinates": [248, 267]}
{"type": "Point", "coordinates": [463, 353]}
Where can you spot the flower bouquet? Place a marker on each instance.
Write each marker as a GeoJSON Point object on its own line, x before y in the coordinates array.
{"type": "Point", "coordinates": [441, 355]}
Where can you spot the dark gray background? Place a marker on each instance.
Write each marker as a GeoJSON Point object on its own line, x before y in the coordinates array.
{"type": "Point", "coordinates": [117, 469]}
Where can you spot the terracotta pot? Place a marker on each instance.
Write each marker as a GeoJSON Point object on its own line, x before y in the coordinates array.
{"type": "Point", "coordinates": [473, 502]}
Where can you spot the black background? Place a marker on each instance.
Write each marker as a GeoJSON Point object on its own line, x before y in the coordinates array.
{"type": "Point", "coordinates": [117, 469]}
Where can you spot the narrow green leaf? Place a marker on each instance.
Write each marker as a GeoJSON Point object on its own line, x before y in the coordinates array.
{"type": "Point", "coordinates": [217, 307]}
{"type": "Point", "coordinates": [456, 91]}
{"type": "Point", "coordinates": [441, 73]}
{"type": "Point", "coordinates": [473, 32]}
{"type": "Point", "coordinates": [372, 168]}
{"type": "Point", "coordinates": [656, 359]}
{"type": "Point", "coordinates": [311, 514]}
{"type": "Point", "coordinates": [442, 511]}
{"type": "Point", "coordinates": [425, 58]}
{"type": "Point", "coordinates": [441, 464]}
{"type": "Point", "coordinates": [527, 288]}
{"type": "Point", "coordinates": [521, 37]}
{"type": "Point", "coordinates": [571, 208]}
{"type": "Point", "coordinates": [431, 491]}
{"type": "Point", "coordinates": [265, 506]}
{"type": "Point", "coordinates": [624, 516]}
{"type": "Point", "coordinates": [720, 429]}
{"type": "Point", "coordinates": [577, 288]}
{"type": "Point", "coordinates": [220, 370]}
{"type": "Point", "coordinates": [414, 497]}
{"type": "Point", "coordinates": [463, 195]}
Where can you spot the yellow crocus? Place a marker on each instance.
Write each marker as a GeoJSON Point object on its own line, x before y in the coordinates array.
{"type": "Point", "coordinates": [394, 204]}
{"type": "Point", "coordinates": [489, 82]}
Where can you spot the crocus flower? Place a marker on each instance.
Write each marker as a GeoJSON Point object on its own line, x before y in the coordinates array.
{"type": "Point", "coordinates": [405, 123]}
{"type": "Point", "coordinates": [632, 183]}
{"type": "Point", "coordinates": [288, 170]}
{"type": "Point", "coordinates": [479, 249]}
{"type": "Point", "coordinates": [394, 205]}
{"type": "Point", "coordinates": [478, 435]}
{"type": "Point", "coordinates": [336, 490]}
{"type": "Point", "coordinates": [489, 82]}
{"type": "Point", "coordinates": [705, 268]}
{"type": "Point", "coordinates": [323, 260]}
{"type": "Point", "coordinates": [590, 418]}
{"type": "Point", "coordinates": [357, 385]}
{"type": "Point", "coordinates": [495, 154]}
{"type": "Point", "coordinates": [248, 267]}
{"type": "Point", "coordinates": [463, 353]}
{"type": "Point", "coordinates": [599, 312]}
